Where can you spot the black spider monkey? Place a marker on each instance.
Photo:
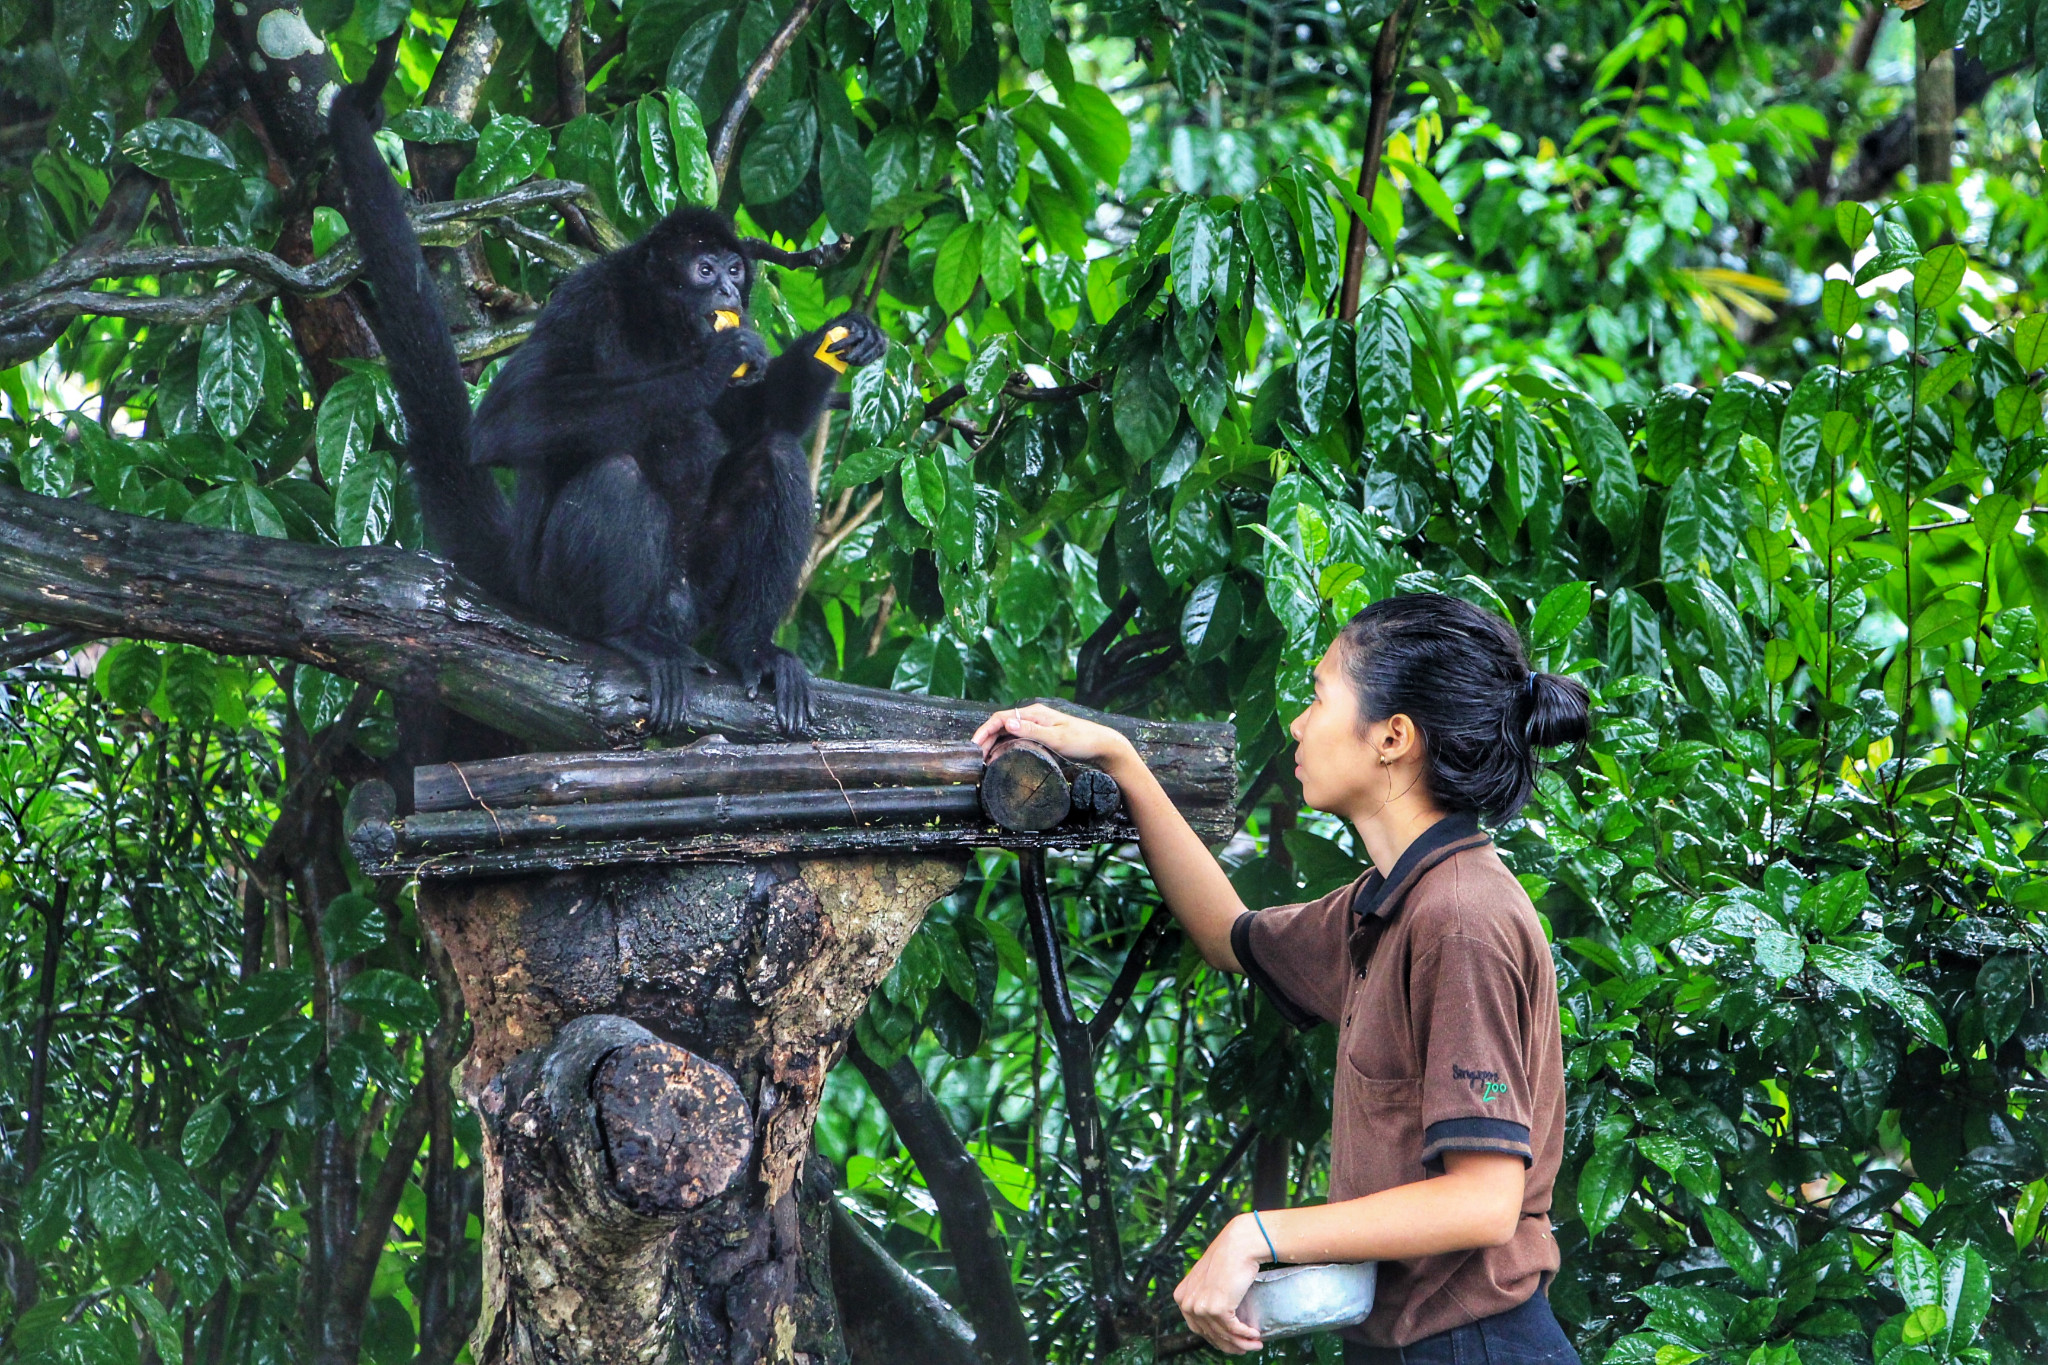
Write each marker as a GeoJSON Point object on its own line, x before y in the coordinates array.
{"type": "Point", "coordinates": [664, 491]}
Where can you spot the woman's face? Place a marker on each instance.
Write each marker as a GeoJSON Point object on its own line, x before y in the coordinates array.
{"type": "Point", "coordinates": [1336, 758]}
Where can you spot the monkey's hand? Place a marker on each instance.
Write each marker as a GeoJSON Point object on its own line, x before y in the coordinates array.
{"type": "Point", "coordinates": [739, 355]}
{"type": "Point", "coordinates": [863, 343]}
{"type": "Point", "coordinates": [793, 714]}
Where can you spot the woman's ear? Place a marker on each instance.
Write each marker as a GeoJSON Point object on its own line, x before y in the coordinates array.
{"type": "Point", "coordinates": [1400, 739]}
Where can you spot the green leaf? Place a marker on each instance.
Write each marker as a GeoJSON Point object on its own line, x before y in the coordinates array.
{"type": "Point", "coordinates": [507, 152]}
{"type": "Point", "coordinates": [174, 149]}
{"type": "Point", "coordinates": [121, 1192]}
{"type": "Point", "coordinates": [957, 267]}
{"type": "Point", "coordinates": [912, 17]}
{"type": "Point", "coordinates": [1917, 1271]}
{"type": "Point", "coordinates": [205, 1131]}
{"type": "Point", "coordinates": [195, 27]}
{"type": "Point", "coordinates": [1604, 456]}
{"type": "Point", "coordinates": [1687, 1162]}
{"type": "Point", "coordinates": [1385, 367]}
{"type": "Point", "coordinates": [844, 180]}
{"type": "Point", "coordinates": [163, 1333]}
{"type": "Point", "coordinates": [696, 180]}
{"type": "Point", "coordinates": [1201, 256]}
{"type": "Point", "coordinates": [1521, 455]}
{"type": "Point", "coordinates": [1852, 223]}
{"type": "Point", "coordinates": [1212, 618]}
{"type": "Point", "coordinates": [2004, 990]}
{"type": "Point", "coordinates": [365, 501]}
{"type": "Point", "coordinates": [128, 674]}
{"type": "Point", "coordinates": [261, 1001]}
{"type": "Point", "coordinates": [1098, 130]}
{"type": "Point", "coordinates": [550, 19]}
{"type": "Point", "coordinates": [924, 489]}
{"type": "Point", "coordinates": [1318, 386]}
{"type": "Point", "coordinates": [2030, 342]}
{"type": "Point", "coordinates": [1559, 614]}
{"type": "Point", "coordinates": [231, 370]}
{"type": "Point", "coordinates": [1965, 1292]}
{"type": "Point", "coordinates": [1841, 307]}
{"type": "Point", "coordinates": [779, 154]}
{"type": "Point", "coordinates": [1738, 1246]}
{"type": "Point", "coordinates": [241, 506]}
{"type": "Point", "coordinates": [1144, 406]}
{"type": "Point", "coordinates": [435, 127]}
{"type": "Point", "coordinates": [387, 997]}
{"type": "Point", "coordinates": [1837, 903]}
{"type": "Point", "coordinates": [1929, 1322]}
{"type": "Point", "coordinates": [1031, 21]}
{"type": "Point", "coordinates": [2027, 1212]}
{"type": "Point", "coordinates": [182, 1229]}
{"type": "Point", "coordinates": [1605, 1184]}
{"type": "Point", "coordinates": [1939, 275]}
{"type": "Point", "coordinates": [351, 926]}
{"type": "Point", "coordinates": [1002, 258]}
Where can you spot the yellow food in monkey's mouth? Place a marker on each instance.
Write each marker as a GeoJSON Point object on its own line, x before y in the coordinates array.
{"type": "Point", "coordinates": [724, 320]}
{"type": "Point", "coordinates": [833, 337]}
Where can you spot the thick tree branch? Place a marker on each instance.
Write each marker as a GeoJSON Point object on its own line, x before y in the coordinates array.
{"type": "Point", "coordinates": [727, 137]}
{"type": "Point", "coordinates": [1084, 1117]}
{"type": "Point", "coordinates": [1386, 63]}
{"type": "Point", "coordinates": [1136, 962]}
{"type": "Point", "coordinates": [404, 622]}
{"type": "Point", "coordinates": [954, 1178]}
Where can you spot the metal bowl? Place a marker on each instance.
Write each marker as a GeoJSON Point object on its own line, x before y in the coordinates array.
{"type": "Point", "coordinates": [1294, 1300]}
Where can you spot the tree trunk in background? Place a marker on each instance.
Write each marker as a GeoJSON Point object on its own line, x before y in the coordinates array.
{"type": "Point", "coordinates": [1934, 110]}
{"type": "Point", "coordinates": [650, 1049]}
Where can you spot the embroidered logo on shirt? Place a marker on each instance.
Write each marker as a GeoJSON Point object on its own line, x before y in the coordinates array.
{"type": "Point", "coordinates": [1486, 1084]}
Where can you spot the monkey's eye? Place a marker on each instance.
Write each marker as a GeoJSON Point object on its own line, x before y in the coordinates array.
{"type": "Point", "coordinates": [703, 269]}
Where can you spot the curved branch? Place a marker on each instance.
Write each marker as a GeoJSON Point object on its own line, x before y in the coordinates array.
{"type": "Point", "coordinates": [52, 297]}
{"type": "Point", "coordinates": [757, 76]}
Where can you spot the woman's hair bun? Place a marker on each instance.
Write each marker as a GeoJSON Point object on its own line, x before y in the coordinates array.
{"type": "Point", "coordinates": [1560, 710]}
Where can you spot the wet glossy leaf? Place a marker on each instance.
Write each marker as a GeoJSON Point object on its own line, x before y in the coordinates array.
{"type": "Point", "coordinates": [387, 997]}
{"type": "Point", "coordinates": [176, 149]}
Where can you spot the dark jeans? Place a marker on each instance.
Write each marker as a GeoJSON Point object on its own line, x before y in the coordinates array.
{"type": "Point", "coordinates": [1525, 1335]}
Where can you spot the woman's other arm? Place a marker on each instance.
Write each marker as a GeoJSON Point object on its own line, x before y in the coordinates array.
{"type": "Point", "coordinates": [1476, 1202]}
{"type": "Point", "coordinates": [1187, 874]}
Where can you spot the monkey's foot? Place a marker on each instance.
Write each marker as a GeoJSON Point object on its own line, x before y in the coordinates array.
{"type": "Point", "coordinates": [669, 687]}
{"type": "Point", "coordinates": [793, 711]}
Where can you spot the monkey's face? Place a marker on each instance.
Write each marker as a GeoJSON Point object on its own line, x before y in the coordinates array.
{"type": "Point", "coordinates": [713, 289]}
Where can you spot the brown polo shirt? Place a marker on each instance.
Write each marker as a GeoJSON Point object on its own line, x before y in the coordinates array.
{"type": "Point", "coordinates": [1441, 986]}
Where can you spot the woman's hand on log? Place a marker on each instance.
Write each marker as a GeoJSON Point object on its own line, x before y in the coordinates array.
{"type": "Point", "coordinates": [1072, 738]}
{"type": "Point", "coordinates": [1208, 1297]}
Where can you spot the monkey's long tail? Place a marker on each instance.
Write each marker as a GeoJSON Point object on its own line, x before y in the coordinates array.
{"type": "Point", "coordinates": [465, 512]}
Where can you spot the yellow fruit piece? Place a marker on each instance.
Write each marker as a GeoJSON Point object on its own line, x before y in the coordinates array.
{"type": "Point", "coordinates": [833, 337]}
{"type": "Point", "coordinates": [724, 320]}
{"type": "Point", "coordinates": [741, 371]}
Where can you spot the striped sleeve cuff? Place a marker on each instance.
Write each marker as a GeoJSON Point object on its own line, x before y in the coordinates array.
{"type": "Point", "coordinates": [1474, 1135]}
{"type": "Point", "coordinates": [1241, 948]}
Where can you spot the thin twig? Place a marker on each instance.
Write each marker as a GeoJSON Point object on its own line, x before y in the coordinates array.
{"type": "Point", "coordinates": [757, 76]}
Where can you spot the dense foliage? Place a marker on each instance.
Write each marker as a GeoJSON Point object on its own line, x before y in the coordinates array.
{"type": "Point", "coordinates": [1755, 460]}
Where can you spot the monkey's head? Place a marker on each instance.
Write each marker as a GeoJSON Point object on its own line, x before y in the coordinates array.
{"type": "Point", "coordinates": [707, 270]}
{"type": "Point", "coordinates": [702, 268]}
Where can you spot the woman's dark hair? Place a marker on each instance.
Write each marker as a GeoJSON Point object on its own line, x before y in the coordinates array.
{"type": "Point", "coordinates": [1460, 674]}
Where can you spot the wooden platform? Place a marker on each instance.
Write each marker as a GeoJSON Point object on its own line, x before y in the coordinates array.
{"type": "Point", "coordinates": [717, 801]}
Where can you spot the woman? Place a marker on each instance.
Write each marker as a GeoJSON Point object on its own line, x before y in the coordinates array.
{"type": "Point", "coordinates": [1448, 1117]}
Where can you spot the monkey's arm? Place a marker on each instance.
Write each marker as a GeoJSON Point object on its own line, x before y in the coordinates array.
{"type": "Point", "coordinates": [793, 393]}
{"type": "Point", "coordinates": [539, 412]}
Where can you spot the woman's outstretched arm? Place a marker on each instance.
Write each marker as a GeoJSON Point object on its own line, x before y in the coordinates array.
{"type": "Point", "coordinates": [1187, 874]}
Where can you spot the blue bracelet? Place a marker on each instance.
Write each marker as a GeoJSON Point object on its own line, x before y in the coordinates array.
{"type": "Point", "coordinates": [1271, 1254]}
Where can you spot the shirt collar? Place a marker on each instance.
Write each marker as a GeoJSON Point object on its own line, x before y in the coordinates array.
{"type": "Point", "coordinates": [1381, 897]}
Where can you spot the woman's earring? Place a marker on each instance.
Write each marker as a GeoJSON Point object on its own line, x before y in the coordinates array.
{"type": "Point", "coordinates": [1384, 760]}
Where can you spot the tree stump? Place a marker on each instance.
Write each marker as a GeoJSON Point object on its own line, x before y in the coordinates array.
{"type": "Point", "coordinates": [650, 1049]}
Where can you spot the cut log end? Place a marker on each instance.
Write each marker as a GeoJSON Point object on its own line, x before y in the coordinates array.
{"type": "Point", "coordinates": [675, 1127]}
{"type": "Point", "coordinates": [1096, 794]}
{"type": "Point", "coordinates": [1024, 788]}
{"type": "Point", "coordinates": [372, 806]}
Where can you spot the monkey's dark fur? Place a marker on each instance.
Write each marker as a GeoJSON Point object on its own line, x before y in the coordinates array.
{"type": "Point", "coordinates": [660, 499]}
